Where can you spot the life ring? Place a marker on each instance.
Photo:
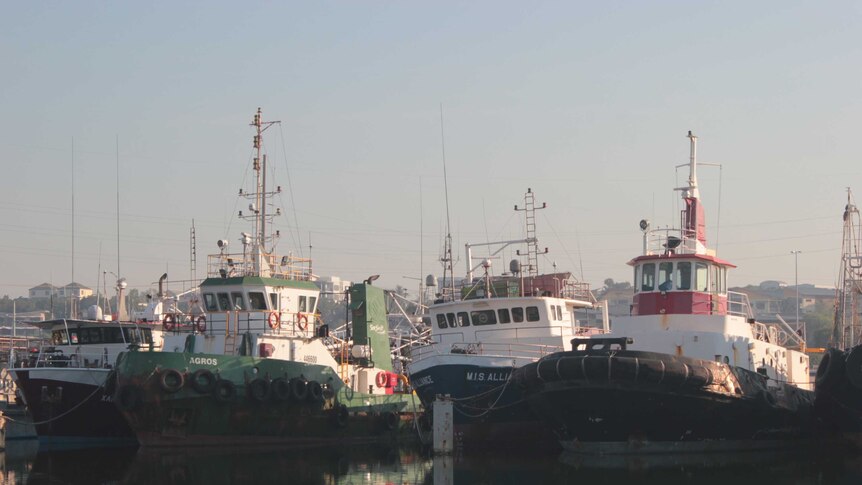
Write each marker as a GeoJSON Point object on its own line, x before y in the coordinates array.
{"type": "Point", "coordinates": [280, 389]}
{"type": "Point", "coordinates": [315, 391]}
{"type": "Point", "coordinates": [203, 381]}
{"type": "Point", "coordinates": [224, 390]}
{"type": "Point", "coordinates": [168, 322]}
{"type": "Point", "coordinates": [274, 320]}
{"type": "Point", "coordinates": [171, 380]}
{"type": "Point", "coordinates": [259, 390]}
{"type": "Point", "coordinates": [302, 321]}
{"type": "Point", "coordinates": [201, 324]}
{"type": "Point", "coordinates": [830, 369]}
{"type": "Point", "coordinates": [382, 379]}
{"type": "Point", "coordinates": [129, 398]}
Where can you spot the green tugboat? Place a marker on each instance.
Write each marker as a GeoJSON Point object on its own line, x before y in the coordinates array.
{"type": "Point", "coordinates": [258, 366]}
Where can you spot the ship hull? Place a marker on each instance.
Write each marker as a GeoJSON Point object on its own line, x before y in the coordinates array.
{"type": "Point", "coordinates": [641, 402]}
{"type": "Point", "coordinates": [488, 410]}
{"type": "Point", "coordinates": [70, 406]}
{"type": "Point", "coordinates": [183, 415]}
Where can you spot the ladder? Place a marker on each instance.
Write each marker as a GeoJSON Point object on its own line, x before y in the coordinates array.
{"type": "Point", "coordinates": [230, 334]}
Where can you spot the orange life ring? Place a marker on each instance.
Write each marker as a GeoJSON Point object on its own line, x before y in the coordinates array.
{"type": "Point", "coordinates": [274, 320]}
{"type": "Point", "coordinates": [382, 379]}
{"type": "Point", "coordinates": [201, 324]}
{"type": "Point", "coordinates": [168, 322]}
{"type": "Point", "coordinates": [302, 321]}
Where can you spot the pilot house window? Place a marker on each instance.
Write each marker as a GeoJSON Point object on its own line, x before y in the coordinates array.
{"type": "Point", "coordinates": [532, 314]}
{"type": "Point", "coordinates": [517, 315]}
{"type": "Point", "coordinates": [210, 302]}
{"type": "Point", "coordinates": [648, 277]}
{"type": "Point", "coordinates": [483, 317]}
{"type": "Point", "coordinates": [503, 315]}
{"type": "Point", "coordinates": [683, 275]}
{"type": "Point", "coordinates": [256, 300]}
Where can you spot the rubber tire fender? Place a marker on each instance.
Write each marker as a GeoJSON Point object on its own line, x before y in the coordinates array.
{"type": "Point", "coordinates": [224, 390]}
{"type": "Point", "coordinates": [203, 381]}
{"type": "Point", "coordinates": [171, 380]}
{"type": "Point", "coordinates": [259, 390]}
{"type": "Point", "coordinates": [280, 389]}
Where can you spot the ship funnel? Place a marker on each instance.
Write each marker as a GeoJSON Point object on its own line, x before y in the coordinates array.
{"type": "Point", "coordinates": [161, 283]}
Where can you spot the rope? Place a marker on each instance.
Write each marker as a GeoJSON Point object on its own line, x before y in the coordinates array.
{"type": "Point", "coordinates": [493, 405]}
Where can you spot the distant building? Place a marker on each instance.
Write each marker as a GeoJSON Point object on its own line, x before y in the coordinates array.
{"type": "Point", "coordinates": [72, 290]}
{"type": "Point", "coordinates": [44, 290]}
{"type": "Point", "coordinates": [619, 301]}
{"type": "Point", "coordinates": [332, 287]}
{"type": "Point", "coordinates": [772, 298]}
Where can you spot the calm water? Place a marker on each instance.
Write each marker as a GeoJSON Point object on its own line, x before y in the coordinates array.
{"type": "Point", "coordinates": [23, 463]}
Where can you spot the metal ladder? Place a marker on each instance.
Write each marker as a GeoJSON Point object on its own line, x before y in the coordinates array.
{"type": "Point", "coordinates": [230, 334]}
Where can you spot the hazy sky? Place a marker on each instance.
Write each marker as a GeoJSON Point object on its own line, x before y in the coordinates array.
{"type": "Point", "coordinates": [587, 103]}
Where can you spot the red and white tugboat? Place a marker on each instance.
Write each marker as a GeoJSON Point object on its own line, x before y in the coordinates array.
{"type": "Point", "coordinates": [688, 370]}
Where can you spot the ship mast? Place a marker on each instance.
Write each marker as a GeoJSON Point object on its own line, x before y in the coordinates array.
{"type": "Point", "coordinates": [260, 197]}
{"type": "Point", "coordinates": [693, 219]}
{"type": "Point", "coordinates": [847, 332]}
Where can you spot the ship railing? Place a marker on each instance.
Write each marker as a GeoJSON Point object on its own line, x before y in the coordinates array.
{"type": "Point", "coordinates": [231, 265]}
{"type": "Point", "coordinates": [558, 288]}
{"type": "Point", "coordinates": [300, 324]}
{"type": "Point", "coordinates": [18, 346]}
{"type": "Point", "coordinates": [738, 304]}
{"type": "Point", "coordinates": [494, 349]}
{"type": "Point", "coordinates": [51, 356]}
{"type": "Point", "coordinates": [780, 334]}
{"type": "Point", "coordinates": [670, 241]}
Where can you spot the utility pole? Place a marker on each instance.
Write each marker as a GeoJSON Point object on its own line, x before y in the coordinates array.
{"type": "Point", "coordinates": [796, 281]}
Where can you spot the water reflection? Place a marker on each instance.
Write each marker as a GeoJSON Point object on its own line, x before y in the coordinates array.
{"type": "Point", "coordinates": [386, 465]}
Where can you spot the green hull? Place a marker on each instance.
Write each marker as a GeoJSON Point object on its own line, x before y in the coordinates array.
{"type": "Point", "coordinates": [184, 399]}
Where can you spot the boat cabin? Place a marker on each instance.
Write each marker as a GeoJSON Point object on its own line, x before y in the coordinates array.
{"type": "Point", "coordinates": [690, 284]}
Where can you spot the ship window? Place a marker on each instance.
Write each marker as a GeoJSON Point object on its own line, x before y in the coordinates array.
{"type": "Point", "coordinates": [312, 301]}
{"type": "Point", "coordinates": [224, 302]}
{"type": "Point", "coordinates": [273, 301]}
{"type": "Point", "coordinates": [112, 335]}
{"type": "Point", "coordinates": [450, 317]}
{"type": "Point", "coordinates": [665, 276]}
{"type": "Point", "coordinates": [722, 273]}
{"type": "Point", "coordinates": [532, 314]}
{"type": "Point", "coordinates": [483, 317]}
{"type": "Point", "coordinates": [256, 300]}
{"type": "Point", "coordinates": [463, 319]}
{"type": "Point", "coordinates": [59, 337]}
{"type": "Point", "coordinates": [517, 315]}
{"type": "Point", "coordinates": [700, 277]}
{"type": "Point", "coordinates": [301, 304]}
{"type": "Point", "coordinates": [648, 277]}
{"type": "Point", "coordinates": [683, 276]}
{"type": "Point", "coordinates": [637, 278]}
{"type": "Point", "coordinates": [210, 302]}
{"type": "Point", "coordinates": [132, 335]}
{"type": "Point", "coordinates": [553, 312]}
{"type": "Point", "coordinates": [441, 320]}
{"type": "Point", "coordinates": [73, 336]}
{"type": "Point", "coordinates": [559, 313]}
{"type": "Point", "coordinates": [238, 303]}
{"type": "Point", "coordinates": [503, 315]}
